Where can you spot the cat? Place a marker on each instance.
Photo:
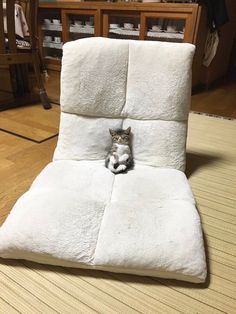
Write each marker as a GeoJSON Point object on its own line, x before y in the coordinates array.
{"type": "Point", "coordinates": [119, 158]}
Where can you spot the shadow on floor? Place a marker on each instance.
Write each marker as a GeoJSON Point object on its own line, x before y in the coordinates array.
{"type": "Point", "coordinates": [195, 161]}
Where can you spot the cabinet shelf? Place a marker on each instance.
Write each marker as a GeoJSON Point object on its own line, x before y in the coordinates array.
{"type": "Point", "coordinates": [166, 35]}
{"type": "Point", "coordinates": [82, 30]}
{"type": "Point", "coordinates": [52, 45]}
{"type": "Point", "coordinates": [52, 27]}
{"type": "Point", "coordinates": [160, 35]}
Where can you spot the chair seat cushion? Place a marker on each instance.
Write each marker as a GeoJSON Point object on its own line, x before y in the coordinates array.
{"type": "Point", "coordinates": [143, 222]}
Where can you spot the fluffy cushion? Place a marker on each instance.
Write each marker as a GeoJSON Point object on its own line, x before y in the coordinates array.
{"type": "Point", "coordinates": [158, 143]}
{"type": "Point", "coordinates": [88, 138]}
{"type": "Point", "coordinates": [97, 77]}
{"type": "Point", "coordinates": [95, 219]}
{"type": "Point", "coordinates": [159, 81]}
{"type": "Point", "coordinates": [77, 213]}
{"type": "Point", "coordinates": [82, 137]}
{"type": "Point", "coordinates": [59, 218]}
{"type": "Point", "coordinates": [152, 238]}
{"type": "Point", "coordinates": [115, 88]}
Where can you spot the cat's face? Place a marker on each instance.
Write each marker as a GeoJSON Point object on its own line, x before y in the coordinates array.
{"type": "Point", "coordinates": [120, 136]}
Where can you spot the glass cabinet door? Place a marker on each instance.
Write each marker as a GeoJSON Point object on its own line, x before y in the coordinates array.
{"type": "Point", "coordinates": [51, 34]}
{"type": "Point", "coordinates": [166, 27]}
{"type": "Point", "coordinates": [79, 24]}
{"type": "Point", "coordinates": [121, 25]}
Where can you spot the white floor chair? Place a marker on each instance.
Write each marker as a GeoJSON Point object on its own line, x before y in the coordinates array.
{"type": "Point", "coordinates": [79, 214]}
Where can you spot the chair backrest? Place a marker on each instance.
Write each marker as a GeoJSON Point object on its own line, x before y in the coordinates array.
{"type": "Point", "coordinates": [9, 11]}
{"type": "Point", "coordinates": [107, 83]}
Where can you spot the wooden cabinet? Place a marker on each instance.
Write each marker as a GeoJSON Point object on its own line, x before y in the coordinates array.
{"type": "Point", "coordinates": [163, 22]}
{"type": "Point", "coordinates": [64, 21]}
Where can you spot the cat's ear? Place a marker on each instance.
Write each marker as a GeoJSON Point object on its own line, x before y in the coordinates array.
{"type": "Point", "coordinates": [127, 131]}
{"type": "Point", "coordinates": [112, 132]}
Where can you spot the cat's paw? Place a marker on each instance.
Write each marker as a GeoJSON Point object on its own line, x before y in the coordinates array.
{"type": "Point", "coordinates": [124, 158]}
{"type": "Point", "coordinates": [113, 168]}
{"type": "Point", "coordinates": [113, 160]}
{"type": "Point", "coordinates": [121, 168]}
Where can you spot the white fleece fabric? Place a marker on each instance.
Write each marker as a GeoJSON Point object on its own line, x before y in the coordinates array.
{"type": "Point", "coordinates": [159, 81]}
{"type": "Point", "coordinates": [79, 214]}
{"type": "Point", "coordinates": [98, 77]}
{"type": "Point", "coordinates": [84, 137]}
{"type": "Point", "coordinates": [152, 183]}
{"type": "Point", "coordinates": [152, 236]}
{"type": "Point", "coordinates": [88, 138]}
{"type": "Point", "coordinates": [159, 143]}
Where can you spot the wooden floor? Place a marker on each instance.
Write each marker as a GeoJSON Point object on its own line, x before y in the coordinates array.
{"type": "Point", "coordinates": [31, 122]}
{"type": "Point", "coordinates": [219, 101]}
{"type": "Point", "coordinates": [27, 287]}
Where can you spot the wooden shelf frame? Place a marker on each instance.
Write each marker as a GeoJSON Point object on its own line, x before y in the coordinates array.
{"type": "Point", "coordinates": [66, 25]}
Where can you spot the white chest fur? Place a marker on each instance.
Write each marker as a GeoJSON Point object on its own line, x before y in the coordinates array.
{"type": "Point", "coordinates": [122, 149]}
